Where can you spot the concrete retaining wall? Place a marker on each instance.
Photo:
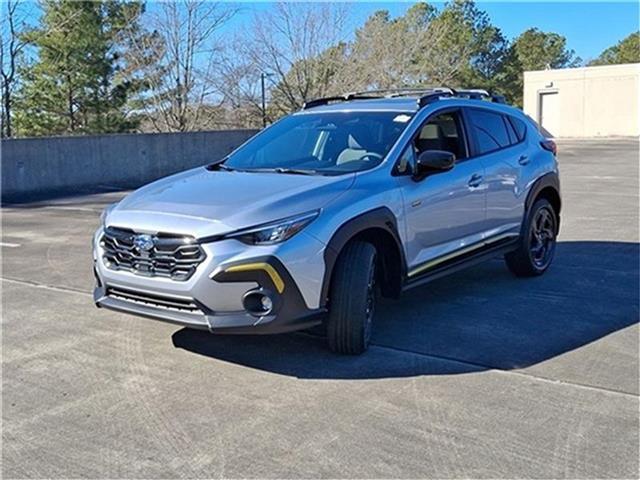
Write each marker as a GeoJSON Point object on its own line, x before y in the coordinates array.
{"type": "Point", "coordinates": [42, 166]}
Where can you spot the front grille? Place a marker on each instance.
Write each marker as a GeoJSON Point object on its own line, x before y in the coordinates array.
{"type": "Point", "coordinates": [171, 256]}
{"type": "Point", "coordinates": [156, 301]}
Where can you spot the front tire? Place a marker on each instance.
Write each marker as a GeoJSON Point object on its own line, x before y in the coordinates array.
{"type": "Point", "coordinates": [352, 299]}
{"type": "Point", "coordinates": [537, 243]}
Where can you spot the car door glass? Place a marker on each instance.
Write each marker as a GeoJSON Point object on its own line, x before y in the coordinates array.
{"type": "Point", "coordinates": [442, 132]}
{"type": "Point", "coordinates": [519, 127]}
{"type": "Point", "coordinates": [513, 138]}
{"type": "Point", "coordinates": [490, 130]}
{"type": "Point", "coordinates": [406, 161]}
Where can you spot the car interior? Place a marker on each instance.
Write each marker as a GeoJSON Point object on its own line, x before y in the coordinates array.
{"type": "Point", "coordinates": [442, 133]}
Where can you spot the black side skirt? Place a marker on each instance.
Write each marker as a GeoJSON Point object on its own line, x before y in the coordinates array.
{"type": "Point", "coordinates": [462, 261]}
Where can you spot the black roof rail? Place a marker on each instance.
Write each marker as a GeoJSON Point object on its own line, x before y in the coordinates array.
{"type": "Point", "coordinates": [427, 95]}
{"type": "Point", "coordinates": [322, 101]}
{"type": "Point", "coordinates": [436, 94]}
{"type": "Point", "coordinates": [316, 102]}
{"type": "Point", "coordinates": [373, 94]}
{"type": "Point", "coordinates": [472, 94]}
{"type": "Point", "coordinates": [400, 91]}
{"type": "Point", "coordinates": [481, 94]}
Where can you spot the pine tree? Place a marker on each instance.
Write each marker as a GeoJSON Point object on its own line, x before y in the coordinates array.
{"type": "Point", "coordinates": [76, 84]}
{"type": "Point", "coordinates": [626, 50]}
{"type": "Point", "coordinates": [535, 50]}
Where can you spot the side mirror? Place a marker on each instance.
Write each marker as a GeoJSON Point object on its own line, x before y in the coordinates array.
{"type": "Point", "coordinates": [433, 161]}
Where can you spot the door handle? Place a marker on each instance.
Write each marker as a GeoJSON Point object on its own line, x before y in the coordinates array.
{"type": "Point", "coordinates": [475, 181]}
{"type": "Point", "coordinates": [523, 160]}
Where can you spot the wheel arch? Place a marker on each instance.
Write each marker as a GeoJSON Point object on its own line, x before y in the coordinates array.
{"type": "Point", "coordinates": [378, 227]}
{"type": "Point", "coordinates": [547, 187]}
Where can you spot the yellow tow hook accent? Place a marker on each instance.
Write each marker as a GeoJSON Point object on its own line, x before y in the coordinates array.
{"type": "Point", "coordinates": [272, 272]}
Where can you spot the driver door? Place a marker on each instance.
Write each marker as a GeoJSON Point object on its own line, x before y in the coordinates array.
{"type": "Point", "coordinates": [444, 211]}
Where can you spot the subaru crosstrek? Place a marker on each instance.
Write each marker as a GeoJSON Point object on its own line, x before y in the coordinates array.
{"type": "Point", "coordinates": [317, 215]}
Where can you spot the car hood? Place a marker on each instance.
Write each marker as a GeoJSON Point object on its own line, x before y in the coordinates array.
{"type": "Point", "coordinates": [202, 203]}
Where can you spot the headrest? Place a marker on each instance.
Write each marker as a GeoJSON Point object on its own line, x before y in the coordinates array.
{"type": "Point", "coordinates": [430, 131]}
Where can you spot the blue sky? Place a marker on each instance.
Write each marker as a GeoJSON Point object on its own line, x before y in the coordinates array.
{"type": "Point", "coordinates": [590, 27]}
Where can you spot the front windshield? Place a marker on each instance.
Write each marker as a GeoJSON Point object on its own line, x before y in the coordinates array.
{"type": "Point", "coordinates": [328, 143]}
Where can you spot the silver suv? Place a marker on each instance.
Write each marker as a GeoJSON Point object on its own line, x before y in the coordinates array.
{"type": "Point", "coordinates": [350, 198]}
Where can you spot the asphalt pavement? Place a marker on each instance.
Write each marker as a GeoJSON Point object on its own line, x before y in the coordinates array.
{"type": "Point", "coordinates": [476, 375]}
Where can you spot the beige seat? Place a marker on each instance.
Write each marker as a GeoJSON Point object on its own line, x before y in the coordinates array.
{"type": "Point", "coordinates": [352, 153]}
{"type": "Point", "coordinates": [430, 138]}
{"type": "Point", "coordinates": [361, 142]}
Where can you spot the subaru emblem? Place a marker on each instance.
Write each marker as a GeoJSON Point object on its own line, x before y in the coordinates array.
{"type": "Point", "coordinates": [143, 243]}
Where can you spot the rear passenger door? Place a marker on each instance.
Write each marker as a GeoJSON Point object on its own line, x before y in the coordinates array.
{"type": "Point", "coordinates": [504, 156]}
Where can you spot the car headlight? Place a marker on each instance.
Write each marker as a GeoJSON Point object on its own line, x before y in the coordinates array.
{"type": "Point", "coordinates": [105, 214]}
{"type": "Point", "coordinates": [275, 232]}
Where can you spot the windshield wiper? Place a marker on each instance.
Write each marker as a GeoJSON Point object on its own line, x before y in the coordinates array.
{"type": "Point", "coordinates": [219, 165]}
{"type": "Point", "coordinates": [295, 171]}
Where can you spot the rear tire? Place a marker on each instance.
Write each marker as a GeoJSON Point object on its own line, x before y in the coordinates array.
{"type": "Point", "coordinates": [352, 299]}
{"type": "Point", "coordinates": [537, 242]}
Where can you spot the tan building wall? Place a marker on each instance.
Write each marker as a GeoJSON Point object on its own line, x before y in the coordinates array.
{"type": "Point", "coordinates": [585, 102]}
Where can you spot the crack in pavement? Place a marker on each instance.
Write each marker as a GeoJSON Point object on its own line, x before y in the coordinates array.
{"type": "Point", "coordinates": [510, 372]}
{"type": "Point", "coordinates": [45, 286]}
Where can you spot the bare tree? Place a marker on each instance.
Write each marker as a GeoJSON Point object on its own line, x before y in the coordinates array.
{"type": "Point", "coordinates": [12, 44]}
{"type": "Point", "coordinates": [181, 51]}
{"type": "Point", "coordinates": [297, 45]}
{"type": "Point", "coordinates": [302, 47]}
{"type": "Point", "coordinates": [239, 81]}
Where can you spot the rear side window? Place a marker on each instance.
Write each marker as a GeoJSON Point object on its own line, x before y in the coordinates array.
{"type": "Point", "coordinates": [490, 129]}
{"type": "Point", "coordinates": [519, 127]}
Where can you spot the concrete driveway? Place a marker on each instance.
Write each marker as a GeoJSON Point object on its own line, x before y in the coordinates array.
{"type": "Point", "coordinates": [476, 375]}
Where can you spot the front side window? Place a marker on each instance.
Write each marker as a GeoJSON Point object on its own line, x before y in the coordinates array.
{"type": "Point", "coordinates": [329, 143]}
{"type": "Point", "coordinates": [442, 132]}
{"type": "Point", "coordinates": [490, 130]}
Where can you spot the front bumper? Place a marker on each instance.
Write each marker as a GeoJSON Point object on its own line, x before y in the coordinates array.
{"type": "Point", "coordinates": [227, 323]}
{"type": "Point", "coordinates": [212, 299]}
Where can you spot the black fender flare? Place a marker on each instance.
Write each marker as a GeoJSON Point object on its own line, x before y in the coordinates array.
{"type": "Point", "coordinates": [548, 180]}
{"type": "Point", "coordinates": [382, 218]}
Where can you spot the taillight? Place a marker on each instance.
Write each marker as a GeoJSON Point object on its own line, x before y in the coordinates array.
{"type": "Point", "coordinates": [550, 146]}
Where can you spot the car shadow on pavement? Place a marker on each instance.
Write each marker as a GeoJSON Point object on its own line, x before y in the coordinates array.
{"type": "Point", "coordinates": [471, 321]}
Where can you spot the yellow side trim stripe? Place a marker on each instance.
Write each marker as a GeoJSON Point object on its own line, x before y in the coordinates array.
{"type": "Point", "coordinates": [272, 272]}
{"type": "Point", "coordinates": [462, 251]}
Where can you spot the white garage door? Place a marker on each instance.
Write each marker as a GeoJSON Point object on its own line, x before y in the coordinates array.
{"type": "Point", "coordinates": [550, 113]}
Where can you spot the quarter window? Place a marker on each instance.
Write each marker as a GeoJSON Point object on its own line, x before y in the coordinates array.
{"type": "Point", "coordinates": [519, 127]}
{"type": "Point", "coordinates": [513, 138]}
{"type": "Point", "coordinates": [490, 130]}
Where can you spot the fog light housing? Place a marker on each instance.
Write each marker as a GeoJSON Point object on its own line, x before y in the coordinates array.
{"type": "Point", "coordinates": [258, 302]}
